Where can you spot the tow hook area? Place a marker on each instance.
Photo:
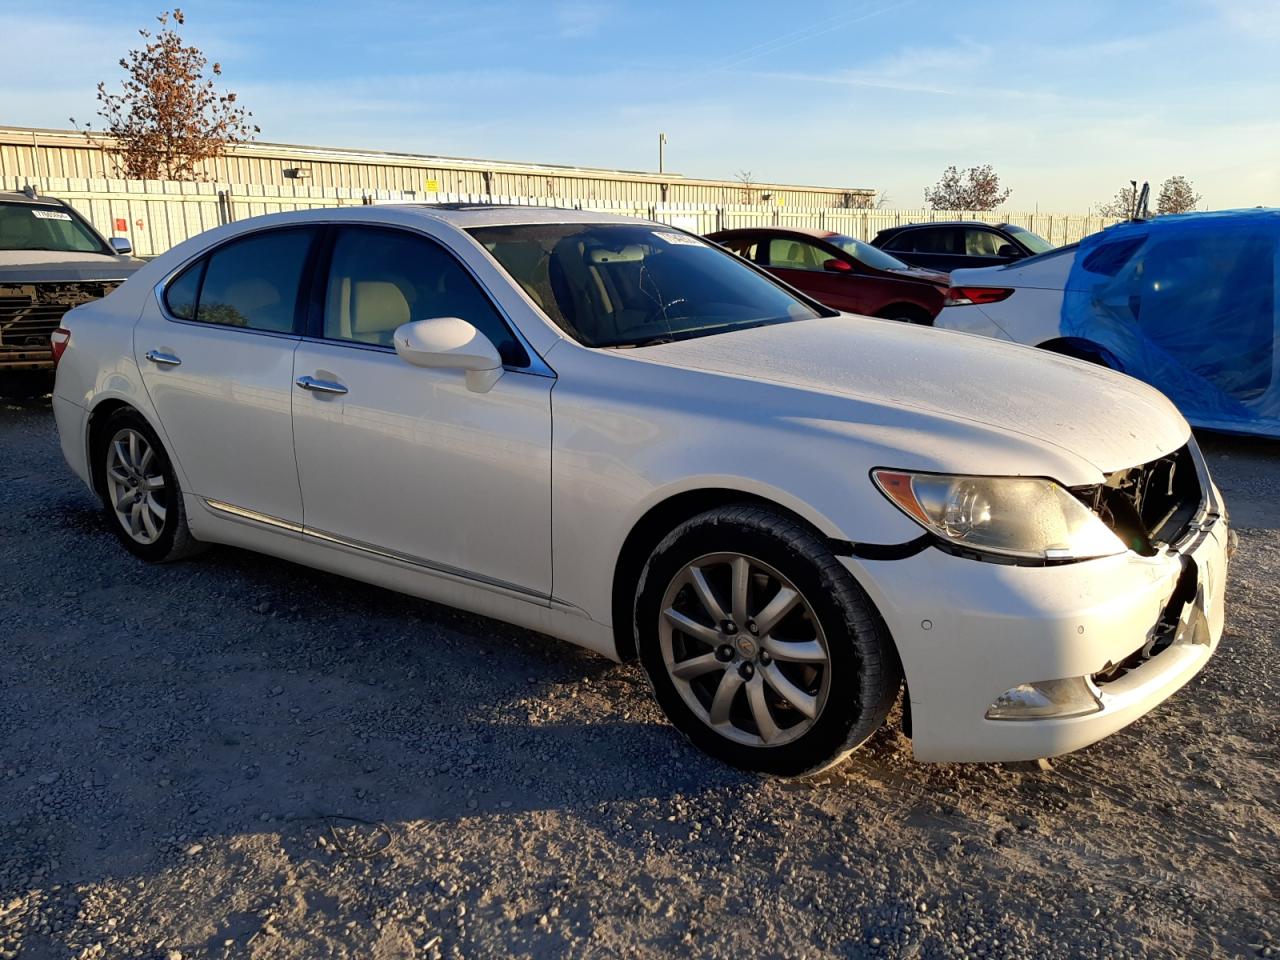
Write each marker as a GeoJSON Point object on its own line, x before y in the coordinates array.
{"type": "Point", "coordinates": [1181, 621]}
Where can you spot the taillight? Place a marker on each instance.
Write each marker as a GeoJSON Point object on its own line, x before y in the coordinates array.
{"type": "Point", "coordinates": [59, 339]}
{"type": "Point", "coordinates": [966, 296]}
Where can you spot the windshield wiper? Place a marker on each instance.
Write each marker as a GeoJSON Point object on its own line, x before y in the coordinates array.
{"type": "Point", "coordinates": [647, 342]}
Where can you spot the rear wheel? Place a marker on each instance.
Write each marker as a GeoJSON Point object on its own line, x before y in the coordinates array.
{"type": "Point", "coordinates": [759, 645]}
{"type": "Point", "coordinates": [140, 491]}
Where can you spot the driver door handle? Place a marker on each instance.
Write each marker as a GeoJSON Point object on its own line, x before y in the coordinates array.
{"type": "Point", "coordinates": [162, 359]}
{"type": "Point", "coordinates": [320, 386]}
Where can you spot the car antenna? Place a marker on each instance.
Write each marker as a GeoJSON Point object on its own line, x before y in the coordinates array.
{"type": "Point", "coordinates": [1141, 211]}
{"type": "Point", "coordinates": [30, 191]}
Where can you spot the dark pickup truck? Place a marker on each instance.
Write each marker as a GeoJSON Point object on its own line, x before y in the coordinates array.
{"type": "Point", "coordinates": [51, 260]}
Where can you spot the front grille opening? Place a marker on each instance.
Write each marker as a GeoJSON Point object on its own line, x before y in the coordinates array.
{"type": "Point", "coordinates": [29, 312]}
{"type": "Point", "coordinates": [1149, 504]}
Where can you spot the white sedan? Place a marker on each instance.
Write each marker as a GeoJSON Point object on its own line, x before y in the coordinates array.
{"type": "Point", "coordinates": [615, 433]}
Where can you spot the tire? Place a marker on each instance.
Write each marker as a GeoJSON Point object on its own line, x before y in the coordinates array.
{"type": "Point", "coordinates": [838, 668]}
{"type": "Point", "coordinates": [152, 524]}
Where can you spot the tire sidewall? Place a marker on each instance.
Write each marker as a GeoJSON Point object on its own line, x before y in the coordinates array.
{"type": "Point", "coordinates": [829, 738]}
{"type": "Point", "coordinates": [164, 544]}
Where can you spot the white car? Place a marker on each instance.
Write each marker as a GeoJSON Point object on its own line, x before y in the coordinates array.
{"type": "Point", "coordinates": [1020, 302]}
{"type": "Point", "coordinates": [621, 435]}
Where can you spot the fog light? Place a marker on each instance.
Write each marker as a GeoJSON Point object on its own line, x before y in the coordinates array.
{"type": "Point", "coordinates": [1072, 697]}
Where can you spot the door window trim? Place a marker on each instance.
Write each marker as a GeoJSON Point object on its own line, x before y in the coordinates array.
{"type": "Point", "coordinates": [315, 301]}
{"type": "Point", "coordinates": [161, 289]}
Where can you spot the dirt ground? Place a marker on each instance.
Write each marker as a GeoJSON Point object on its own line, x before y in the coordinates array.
{"type": "Point", "coordinates": [237, 757]}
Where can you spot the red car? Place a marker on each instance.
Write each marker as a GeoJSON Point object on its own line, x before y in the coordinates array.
{"type": "Point", "coordinates": [841, 272]}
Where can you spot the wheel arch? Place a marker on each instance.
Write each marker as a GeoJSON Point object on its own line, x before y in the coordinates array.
{"type": "Point", "coordinates": [650, 529]}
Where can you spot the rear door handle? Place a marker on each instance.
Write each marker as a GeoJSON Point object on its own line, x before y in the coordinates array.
{"type": "Point", "coordinates": [320, 386]}
{"type": "Point", "coordinates": [163, 359]}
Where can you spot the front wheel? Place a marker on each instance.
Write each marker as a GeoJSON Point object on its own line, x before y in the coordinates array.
{"type": "Point", "coordinates": [759, 645]}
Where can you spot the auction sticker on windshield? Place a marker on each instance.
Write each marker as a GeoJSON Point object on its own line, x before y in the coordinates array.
{"type": "Point", "coordinates": [51, 214]}
{"type": "Point", "coordinates": [679, 239]}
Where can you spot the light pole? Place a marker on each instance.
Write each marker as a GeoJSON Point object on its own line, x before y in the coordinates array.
{"type": "Point", "coordinates": [662, 142]}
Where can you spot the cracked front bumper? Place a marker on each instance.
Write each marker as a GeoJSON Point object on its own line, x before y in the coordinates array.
{"type": "Point", "coordinates": [967, 631]}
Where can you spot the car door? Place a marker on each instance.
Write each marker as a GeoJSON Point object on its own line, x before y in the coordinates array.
{"type": "Point", "coordinates": [215, 350]}
{"type": "Point", "coordinates": [802, 264]}
{"type": "Point", "coordinates": [406, 462]}
{"type": "Point", "coordinates": [939, 248]}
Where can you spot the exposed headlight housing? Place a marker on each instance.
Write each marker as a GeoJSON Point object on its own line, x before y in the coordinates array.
{"type": "Point", "coordinates": [1026, 517]}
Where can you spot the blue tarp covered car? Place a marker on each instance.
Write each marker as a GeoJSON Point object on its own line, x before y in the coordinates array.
{"type": "Point", "coordinates": [1188, 304]}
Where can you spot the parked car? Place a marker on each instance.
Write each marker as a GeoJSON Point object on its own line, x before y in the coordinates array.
{"type": "Point", "coordinates": [959, 244]}
{"type": "Point", "coordinates": [51, 259]}
{"type": "Point", "coordinates": [622, 435]}
{"type": "Point", "coordinates": [1187, 303]}
{"type": "Point", "coordinates": [841, 272]}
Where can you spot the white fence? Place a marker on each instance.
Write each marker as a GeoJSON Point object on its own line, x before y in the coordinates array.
{"type": "Point", "coordinates": [156, 214]}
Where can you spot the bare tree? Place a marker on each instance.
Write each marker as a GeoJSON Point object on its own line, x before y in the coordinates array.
{"type": "Point", "coordinates": [1121, 206]}
{"type": "Point", "coordinates": [1177, 195]}
{"type": "Point", "coordinates": [977, 188]}
{"type": "Point", "coordinates": [168, 117]}
{"type": "Point", "coordinates": [748, 192]}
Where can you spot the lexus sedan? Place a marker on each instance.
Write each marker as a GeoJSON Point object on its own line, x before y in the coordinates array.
{"type": "Point", "coordinates": [841, 272]}
{"type": "Point", "coordinates": [622, 435]}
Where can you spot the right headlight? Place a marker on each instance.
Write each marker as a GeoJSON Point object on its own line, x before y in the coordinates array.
{"type": "Point", "coordinates": [1026, 517]}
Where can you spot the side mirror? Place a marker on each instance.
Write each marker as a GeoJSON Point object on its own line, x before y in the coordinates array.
{"type": "Point", "coordinates": [837, 266]}
{"type": "Point", "coordinates": [121, 246]}
{"type": "Point", "coordinates": [451, 343]}
{"type": "Point", "coordinates": [1009, 250]}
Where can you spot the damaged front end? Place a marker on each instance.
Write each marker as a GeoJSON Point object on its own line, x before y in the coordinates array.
{"type": "Point", "coordinates": [30, 312]}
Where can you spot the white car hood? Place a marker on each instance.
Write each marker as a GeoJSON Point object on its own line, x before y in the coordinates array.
{"type": "Point", "coordinates": [59, 266]}
{"type": "Point", "coordinates": [1105, 418]}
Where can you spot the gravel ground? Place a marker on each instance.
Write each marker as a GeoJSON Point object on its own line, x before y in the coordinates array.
{"type": "Point", "coordinates": [237, 757]}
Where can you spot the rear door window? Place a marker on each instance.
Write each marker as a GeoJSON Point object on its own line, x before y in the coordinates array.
{"type": "Point", "coordinates": [982, 243]}
{"type": "Point", "coordinates": [932, 240]}
{"type": "Point", "coordinates": [788, 253]}
{"type": "Point", "coordinates": [253, 282]}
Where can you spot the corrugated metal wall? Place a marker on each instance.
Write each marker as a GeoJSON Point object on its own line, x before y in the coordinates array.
{"type": "Point", "coordinates": [156, 214]}
{"type": "Point", "coordinates": [70, 155]}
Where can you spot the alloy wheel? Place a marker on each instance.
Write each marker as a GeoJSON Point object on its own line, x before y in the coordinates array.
{"type": "Point", "coordinates": [744, 649]}
{"type": "Point", "coordinates": [136, 486]}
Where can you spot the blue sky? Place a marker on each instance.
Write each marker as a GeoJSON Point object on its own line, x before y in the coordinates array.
{"type": "Point", "coordinates": [1069, 100]}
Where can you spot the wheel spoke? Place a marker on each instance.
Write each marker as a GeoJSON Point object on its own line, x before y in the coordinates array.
{"type": "Point", "coordinates": [149, 521]}
{"type": "Point", "coordinates": [147, 456]}
{"type": "Point", "coordinates": [122, 499]}
{"type": "Point", "coordinates": [795, 651]}
{"type": "Point", "coordinates": [153, 483]}
{"type": "Point", "coordinates": [696, 666]}
{"type": "Point", "coordinates": [783, 602]}
{"type": "Point", "coordinates": [118, 474]}
{"type": "Point", "coordinates": [741, 585]}
{"type": "Point", "coordinates": [134, 456]}
{"type": "Point", "coordinates": [760, 710]}
{"type": "Point", "coordinates": [723, 701]}
{"type": "Point", "coordinates": [691, 627]}
{"type": "Point", "coordinates": [135, 519]}
{"type": "Point", "coordinates": [156, 509]}
{"type": "Point", "coordinates": [789, 692]}
{"type": "Point", "coordinates": [122, 455]}
{"type": "Point", "coordinates": [708, 599]}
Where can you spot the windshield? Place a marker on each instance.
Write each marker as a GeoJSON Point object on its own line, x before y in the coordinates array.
{"type": "Point", "coordinates": [630, 285]}
{"type": "Point", "coordinates": [1032, 241]}
{"type": "Point", "coordinates": [866, 254]}
{"type": "Point", "coordinates": [26, 226]}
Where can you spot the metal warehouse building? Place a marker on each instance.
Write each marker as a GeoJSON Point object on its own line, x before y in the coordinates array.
{"type": "Point", "coordinates": [37, 153]}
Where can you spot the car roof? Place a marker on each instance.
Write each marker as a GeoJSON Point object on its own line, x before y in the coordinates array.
{"type": "Point", "coordinates": [946, 223]}
{"type": "Point", "coordinates": [13, 196]}
{"type": "Point", "coordinates": [468, 215]}
{"type": "Point", "coordinates": [779, 231]}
